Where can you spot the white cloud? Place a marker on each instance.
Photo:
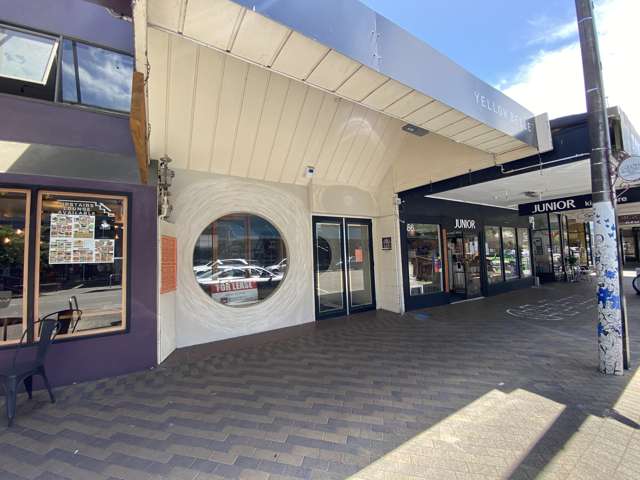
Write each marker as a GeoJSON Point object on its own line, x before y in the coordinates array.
{"type": "Point", "coordinates": [552, 81]}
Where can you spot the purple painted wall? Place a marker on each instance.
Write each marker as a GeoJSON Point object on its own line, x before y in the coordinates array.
{"type": "Point", "coordinates": [34, 121]}
{"type": "Point", "coordinates": [48, 123]}
{"type": "Point", "coordinates": [73, 18]}
{"type": "Point", "coordinates": [92, 358]}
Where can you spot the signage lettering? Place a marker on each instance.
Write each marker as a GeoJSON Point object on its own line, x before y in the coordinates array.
{"type": "Point", "coordinates": [466, 224]}
{"type": "Point", "coordinates": [578, 202]}
{"type": "Point", "coordinates": [554, 206]}
{"type": "Point", "coordinates": [502, 112]}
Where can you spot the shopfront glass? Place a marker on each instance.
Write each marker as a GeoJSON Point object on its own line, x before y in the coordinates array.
{"type": "Point", "coordinates": [239, 260]}
{"type": "Point", "coordinates": [493, 251]}
{"type": "Point", "coordinates": [510, 253]}
{"type": "Point", "coordinates": [541, 245]}
{"type": "Point", "coordinates": [424, 259]}
{"type": "Point", "coordinates": [578, 245]}
{"type": "Point", "coordinates": [556, 245]}
{"type": "Point", "coordinates": [524, 252]}
{"type": "Point", "coordinates": [14, 238]}
{"type": "Point", "coordinates": [629, 247]}
{"type": "Point", "coordinates": [82, 261]}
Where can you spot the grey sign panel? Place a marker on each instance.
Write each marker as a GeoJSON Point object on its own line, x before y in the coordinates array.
{"type": "Point", "coordinates": [363, 35]}
{"type": "Point", "coordinates": [630, 137]}
{"type": "Point", "coordinates": [577, 202]}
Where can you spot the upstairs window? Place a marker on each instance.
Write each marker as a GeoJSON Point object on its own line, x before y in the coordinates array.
{"type": "Point", "coordinates": [26, 57]}
{"type": "Point", "coordinates": [87, 74]}
{"type": "Point", "coordinates": [96, 77]}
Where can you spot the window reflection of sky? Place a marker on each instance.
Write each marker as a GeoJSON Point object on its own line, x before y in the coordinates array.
{"type": "Point", "coordinates": [105, 77]}
{"type": "Point", "coordinates": [24, 56]}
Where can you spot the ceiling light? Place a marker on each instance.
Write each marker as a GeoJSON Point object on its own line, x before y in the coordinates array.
{"type": "Point", "coordinates": [420, 132]}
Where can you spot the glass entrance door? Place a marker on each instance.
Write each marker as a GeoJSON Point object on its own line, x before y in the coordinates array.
{"type": "Point", "coordinates": [472, 265]}
{"type": "Point", "coordinates": [464, 264]}
{"type": "Point", "coordinates": [343, 266]}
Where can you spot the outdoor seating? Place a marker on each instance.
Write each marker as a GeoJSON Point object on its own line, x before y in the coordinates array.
{"type": "Point", "coordinates": [23, 371]}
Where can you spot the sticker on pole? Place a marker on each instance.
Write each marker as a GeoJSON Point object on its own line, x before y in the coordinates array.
{"type": "Point", "coordinates": [629, 169]}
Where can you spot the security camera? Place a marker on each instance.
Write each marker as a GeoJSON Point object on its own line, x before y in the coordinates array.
{"type": "Point", "coordinates": [309, 171]}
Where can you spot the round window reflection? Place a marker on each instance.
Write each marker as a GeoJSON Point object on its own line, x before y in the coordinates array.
{"type": "Point", "coordinates": [240, 259]}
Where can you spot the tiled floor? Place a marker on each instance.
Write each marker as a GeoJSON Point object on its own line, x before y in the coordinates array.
{"type": "Point", "coordinates": [504, 387]}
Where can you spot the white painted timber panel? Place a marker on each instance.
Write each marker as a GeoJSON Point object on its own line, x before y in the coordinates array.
{"type": "Point", "coordinates": [385, 95]}
{"type": "Point", "coordinates": [332, 71]}
{"type": "Point", "coordinates": [320, 131]}
{"type": "Point", "coordinates": [255, 91]}
{"type": "Point", "coordinates": [444, 120]}
{"type": "Point", "coordinates": [336, 129]}
{"type": "Point", "coordinates": [259, 38]}
{"type": "Point", "coordinates": [286, 130]}
{"type": "Point", "coordinates": [388, 158]}
{"type": "Point", "coordinates": [512, 145]}
{"type": "Point", "coordinates": [465, 124]}
{"type": "Point", "coordinates": [426, 113]}
{"type": "Point", "coordinates": [299, 56]}
{"type": "Point", "coordinates": [212, 21]}
{"type": "Point", "coordinates": [294, 165]}
{"type": "Point", "coordinates": [165, 13]}
{"type": "Point", "coordinates": [408, 104]}
{"type": "Point", "coordinates": [485, 137]}
{"type": "Point", "coordinates": [233, 86]}
{"type": "Point", "coordinates": [364, 161]}
{"type": "Point", "coordinates": [158, 43]}
{"type": "Point", "coordinates": [271, 113]}
{"type": "Point", "coordinates": [467, 135]}
{"type": "Point", "coordinates": [205, 113]}
{"type": "Point", "coordinates": [363, 137]}
{"type": "Point", "coordinates": [181, 92]}
{"type": "Point", "coordinates": [351, 131]}
{"type": "Point", "coordinates": [377, 158]}
{"type": "Point", "coordinates": [361, 84]}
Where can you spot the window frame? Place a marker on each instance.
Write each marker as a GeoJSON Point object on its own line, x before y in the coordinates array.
{"type": "Point", "coordinates": [441, 255]}
{"type": "Point", "coordinates": [52, 55]}
{"type": "Point", "coordinates": [57, 93]}
{"type": "Point", "coordinates": [25, 265]}
{"type": "Point", "coordinates": [519, 247]}
{"type": "Point", "coordinates": [239, 215]}
{"type": "Point", "coordinates": [500, 251]}
{"type": "Point", "coordinates": [515, 239]}
{"type": "Point", "coordinates": [124, 309]}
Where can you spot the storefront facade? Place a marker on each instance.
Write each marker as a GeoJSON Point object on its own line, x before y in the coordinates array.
{"type": "Point", "coordinates": [454, 251]}
{"type": "Point", "coordinates": [78, 228]}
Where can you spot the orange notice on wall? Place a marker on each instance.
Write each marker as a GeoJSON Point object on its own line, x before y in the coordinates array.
{"type": "Point", "coordinates": [168, 264]}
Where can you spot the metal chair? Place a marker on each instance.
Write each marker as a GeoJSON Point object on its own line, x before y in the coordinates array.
{"type": "Point", "coordinates": [25, 370]}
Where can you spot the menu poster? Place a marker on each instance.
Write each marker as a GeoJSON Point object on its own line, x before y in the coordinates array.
{"type": "Point", "coordinates": [71, 241]}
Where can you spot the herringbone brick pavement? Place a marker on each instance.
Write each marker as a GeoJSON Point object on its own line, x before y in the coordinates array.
{"type": "Point", "coordinates": [465, 391]}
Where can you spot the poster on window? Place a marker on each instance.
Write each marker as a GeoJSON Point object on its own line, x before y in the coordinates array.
{"type": "Point", "coordinates": [71, 241]}
{"type": "Point", "coordinates": [235, 293]}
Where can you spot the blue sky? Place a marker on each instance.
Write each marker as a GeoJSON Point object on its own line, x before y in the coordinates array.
{"type": "Point", "coordinates": [491, 38]}
{"type": "Point", "coordinates": [529, 48]}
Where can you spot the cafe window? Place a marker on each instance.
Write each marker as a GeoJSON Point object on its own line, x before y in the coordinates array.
{"type": "Point", "coordinates": [510, 253]}
{"type": "Point", "coordinates": [82, 264]}
{"type": "Point", "coordinates": [14, 240]}
{"type": "Point", "coordinates": [524, 252]}
{"type": "Point", "coordinates": [493, 255]}
{"type": "Point", "coordinates": [424, 259]}
{"type": "Point", "coordinates": [240, 259]}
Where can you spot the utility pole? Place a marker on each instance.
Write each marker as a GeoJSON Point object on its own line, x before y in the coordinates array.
{"type": "Point", "coordinates": [610, 330]}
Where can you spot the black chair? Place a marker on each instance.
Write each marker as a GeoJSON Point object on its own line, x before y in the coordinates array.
{"type": "Point", "coordinates": [68, 320]}
{"type": "Point", "coordinates": [25, 370]}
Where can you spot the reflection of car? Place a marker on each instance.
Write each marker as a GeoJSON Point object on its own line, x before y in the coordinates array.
{"type": "Point", "coordinates": [227, 262]}
{"type": "Point", "coordinates": [230, 274]}
{"type": "Point", "coordinates": [279, 267]}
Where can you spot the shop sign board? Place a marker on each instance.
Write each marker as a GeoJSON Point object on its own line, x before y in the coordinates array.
{"type": "Point", "coordinates": [629, 169]}
{"type": "Point", "coordinates": [628, 219]}
{"type": "Point", "coordinates": [386, 243]}
{"type": "Point", "coordinates": [465, 224]}
{"type": "Point", "coordinates": [168, 264]}
{"type": "Point", "coordinates": [577, 202]}
{"type": "Point", "coordinates": [235, 293]}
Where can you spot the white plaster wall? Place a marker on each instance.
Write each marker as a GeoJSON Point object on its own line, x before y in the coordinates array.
{"type": "Point", "coordinates": [200, 199]}
{"type": "Point", "coordinates": [166, 303]}
{"type": "Point", "coordinates": [342, 200]}
{"type": "Point", "coordinates": [388, 268]}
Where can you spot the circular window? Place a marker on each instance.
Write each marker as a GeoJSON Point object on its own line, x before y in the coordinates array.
{"type": "Point", "coordinates": [240, 259]}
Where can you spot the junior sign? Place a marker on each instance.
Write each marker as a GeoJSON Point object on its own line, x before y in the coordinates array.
{"type": "Point", "coordinates": [577, 202]}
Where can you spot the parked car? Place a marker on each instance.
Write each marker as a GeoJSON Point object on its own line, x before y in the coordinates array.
{"type": "Point", "coordinates": [278, 268]}
{"type": "Point", "coordinates": [227, 262]}
{"type": "Point", "coordinates": [229, 274]}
